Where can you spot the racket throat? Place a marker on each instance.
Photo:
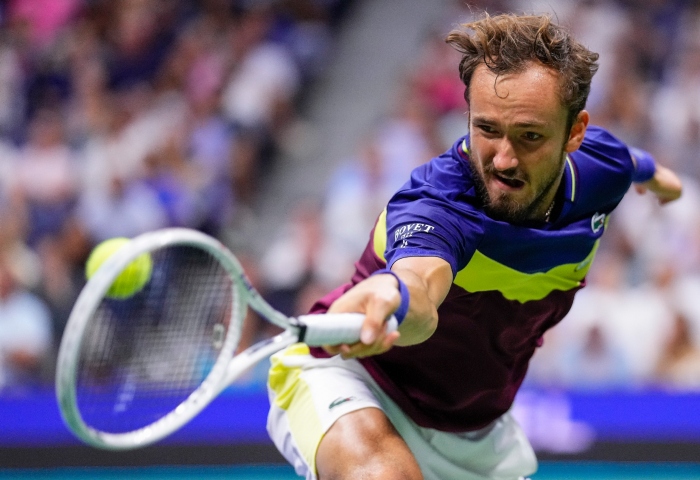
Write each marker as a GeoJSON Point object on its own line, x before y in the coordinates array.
{"type": "Point", "coordinates": [300, 327]}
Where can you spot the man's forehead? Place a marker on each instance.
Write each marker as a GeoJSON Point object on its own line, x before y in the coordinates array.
{"type": "Point", "coordinates": [535, 86]}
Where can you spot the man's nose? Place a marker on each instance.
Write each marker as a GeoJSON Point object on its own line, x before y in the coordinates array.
{"type": "Point", "coordinates": [505, 156]}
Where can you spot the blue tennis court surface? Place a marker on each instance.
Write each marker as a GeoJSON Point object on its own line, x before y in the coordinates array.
{"type": "Point", "coordinates": [156, 473]}
{"type": "Point", "coordinates": [617, 471]}
{"type": "Point", "coordinates": [548, 471]}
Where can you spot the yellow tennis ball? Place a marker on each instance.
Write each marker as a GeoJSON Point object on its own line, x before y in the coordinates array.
{"type": "Point", "coordinates": [132, 278]}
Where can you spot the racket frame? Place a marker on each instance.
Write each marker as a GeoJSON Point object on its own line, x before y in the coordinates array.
{"type": "Point", "coordinates": [223, 370]}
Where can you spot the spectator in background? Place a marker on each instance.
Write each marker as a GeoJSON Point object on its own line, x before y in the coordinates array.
{"type": "Point", "coordinates": [259, 93]}
{"type": "Point", "coordinates": [138, 36]}
{"type": "Point", "coordinates": [264, 78]}
{"type": "Point", "coordinates": [662, 236]}
{"type": "Point", "coordinates": [44, 176]}
{"type": "Point", "coordinates": [8, 162]}
{"type": "Point", "coordinates": [208, 141]}
{"type": "Point", "coordinates": [595, 363]}
{"type": "Point", "coordinates": [12, 102]}
{"type": "Point", "coordinates": [676, 107]}
{"type": "Point", "coordinates": [44, 20]}
{"type": "Point", "coordinates": [679, 365]}
{"type": "Point", "coordinates": [406, 137]}
{"type": "Point", "coordinates": [601, 25]}
{"type": "Point", "coordinates": [25, 330]}
{"type": "Point", "coordinates": [432, 80]}
{"type": "Point", "coordinates": [357, 193]}
{"type": "Point", "coordinates": [62, 274]}
{"type": "Point", "coordinates": [300, 256]}
{"type": "Point", "coordinates": [89, 110]}
{"type": "Point", "coordinates": [624, 109]}
{"type": "Point", "coordinates": [121, 209]}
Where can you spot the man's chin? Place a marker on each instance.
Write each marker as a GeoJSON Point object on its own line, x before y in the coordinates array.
{"type": "Point", "coordinates": [507, 211]}
{"type": "Point", "coordinates": [506, 215]}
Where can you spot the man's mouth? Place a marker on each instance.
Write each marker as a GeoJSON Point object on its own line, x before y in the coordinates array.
{"type": "Point", "coordinates": [511, 183]}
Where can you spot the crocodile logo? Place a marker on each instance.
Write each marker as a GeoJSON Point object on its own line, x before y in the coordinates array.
{"type": "Point", "coordinates": [339, 401]}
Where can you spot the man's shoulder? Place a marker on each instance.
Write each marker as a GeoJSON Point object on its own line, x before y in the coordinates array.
{"type": "Point", "coordinates": [602, 152]}
{"type": "Point", "coordinates": [602, 170]}
{"type": "Point", "coordinates": [596, 132]}
{"type": "Point", "coordinates": [600, 143]}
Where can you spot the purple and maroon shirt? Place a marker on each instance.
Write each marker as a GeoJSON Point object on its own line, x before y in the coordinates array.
{"type": "Point", "coordinates": [511, 283]}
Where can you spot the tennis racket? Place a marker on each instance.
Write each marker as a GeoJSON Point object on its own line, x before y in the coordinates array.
{"type": "Point", "coordinates": [132, 371]}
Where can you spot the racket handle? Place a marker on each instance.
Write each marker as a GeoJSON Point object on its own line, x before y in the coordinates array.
{"type": "Point", "coordinates": [335, 328]}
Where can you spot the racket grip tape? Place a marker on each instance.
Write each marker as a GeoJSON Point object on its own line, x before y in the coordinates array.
{"type": "Point", "coordinates": [334, 328]}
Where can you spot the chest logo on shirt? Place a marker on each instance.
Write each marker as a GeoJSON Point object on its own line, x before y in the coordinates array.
{"type": "Point", "coordinates": [597, 222]}
{"type": "Point", "coordinates": [406, 231]}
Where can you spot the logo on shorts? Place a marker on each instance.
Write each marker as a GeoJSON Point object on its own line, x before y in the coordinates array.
{"type": "Point", "coordinates": [340, 401]}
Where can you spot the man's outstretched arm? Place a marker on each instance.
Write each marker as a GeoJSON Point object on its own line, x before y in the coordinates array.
{"type": "Point", "coordinates": [657, 179]}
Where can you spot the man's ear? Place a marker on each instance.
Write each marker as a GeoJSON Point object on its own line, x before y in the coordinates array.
{"type": "Point", "coordinates": [578, 131]}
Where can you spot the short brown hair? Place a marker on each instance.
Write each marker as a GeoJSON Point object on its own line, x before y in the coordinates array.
{"type": "Point", "coordinates": [507, 43]}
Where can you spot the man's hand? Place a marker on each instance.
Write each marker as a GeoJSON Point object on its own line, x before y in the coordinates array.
{"type": "Point", "coordinates": [377, 297]}
{"type": "Point", "coordinates": [428, 279]}
{"type": "Point", "coordinates": [665, 185]}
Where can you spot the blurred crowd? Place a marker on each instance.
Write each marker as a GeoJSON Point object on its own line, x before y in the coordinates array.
{"type": "Point", "coordinates": [119, 117]}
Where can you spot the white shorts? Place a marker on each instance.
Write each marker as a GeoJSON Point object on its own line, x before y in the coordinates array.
{"type": "Point", "coordinates": [307, 395]}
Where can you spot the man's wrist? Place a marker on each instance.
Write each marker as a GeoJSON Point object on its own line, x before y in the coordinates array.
{"type": "Point", "coordinates": [402, 311]}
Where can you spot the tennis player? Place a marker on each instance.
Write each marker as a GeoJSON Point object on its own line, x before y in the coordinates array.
{"type": "Point", "coordinates": [477, 255]}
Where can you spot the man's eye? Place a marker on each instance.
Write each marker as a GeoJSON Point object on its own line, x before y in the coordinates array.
{"type": "Point", "coordinates": [532, 136]}
{"type": "Point", "coordinates": [486, 128]}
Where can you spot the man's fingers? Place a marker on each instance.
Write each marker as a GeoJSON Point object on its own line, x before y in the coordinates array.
{"type": "Point", "coordinates": [390, 339]}
{"type": "Point", "coordinates": [360, 350]}
{"type": "Point", "coordinates": [332, 349]}
{"type": "Point", "coordinates": [378, 298]}
{"type": "Point", "coordinates": [382, 342]}
{"type": "Point", "coordinates": [378, 310]}
{"type": "Point", "coordinates": [372, 327]}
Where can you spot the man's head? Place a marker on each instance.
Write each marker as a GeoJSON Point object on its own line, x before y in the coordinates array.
{"type": "Point", "coordinates": [527, 81]}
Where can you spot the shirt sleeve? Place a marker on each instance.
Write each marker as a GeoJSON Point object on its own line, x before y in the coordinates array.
{"type": "Point", "coordinates": [645, 165]}
{"type": "Point", "coordinates": [423, 222]}
{"type": "Point", "coordinates": [604, 169]}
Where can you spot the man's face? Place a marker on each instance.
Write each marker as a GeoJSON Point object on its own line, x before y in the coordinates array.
{"type": "Point", "coordinates": [518, 141]}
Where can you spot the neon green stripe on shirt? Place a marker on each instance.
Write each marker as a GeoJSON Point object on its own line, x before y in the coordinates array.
{"type": "Point", "coordinates": [484, 274]}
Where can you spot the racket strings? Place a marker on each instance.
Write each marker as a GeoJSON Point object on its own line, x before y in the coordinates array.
{"type": "Point", "coordinates": [144, 355]}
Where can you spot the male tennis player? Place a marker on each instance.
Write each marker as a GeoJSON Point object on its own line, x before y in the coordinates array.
{"type": "Point", "coordinates": [478, 254]}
